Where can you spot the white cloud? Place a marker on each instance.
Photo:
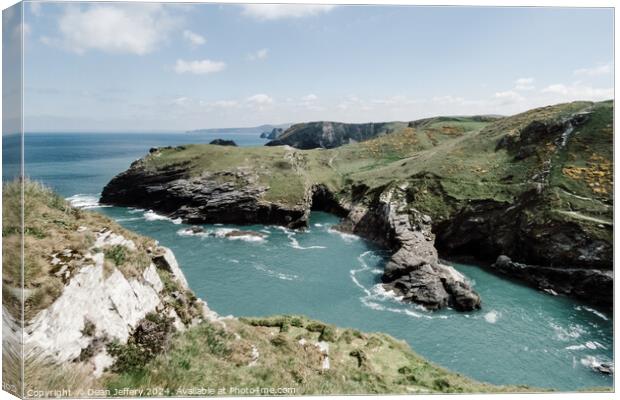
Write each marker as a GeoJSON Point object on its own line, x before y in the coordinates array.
{"type": "Point", "coordinates": [579, 91]}
{"type": "Point", "coordinates": [260, 99]}
{"type": "Point", "coordinates": [594, 71]}
{"type": "Point", "coordinates": [194, 38]}
{"type": "Point", "coordinates": [199, 67]}
{"type": "Point", "coordinates": [258, 55]}
{"type": "Point", "coordinates": [310, 97]}
{"type": "Point", "coordinates": [135, 29]}
{"type": "Point", "coordinates": [278, 11]}
{"type": "Point", "coordinates": [35, 8]}
{"type": "Point", "coordinates": [508, 97]}
{"type": "Point", "coordinates": [524, 84]}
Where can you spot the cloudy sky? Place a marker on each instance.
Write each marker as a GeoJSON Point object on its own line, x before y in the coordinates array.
{"type": "Point", "coordinates": [144, 67]}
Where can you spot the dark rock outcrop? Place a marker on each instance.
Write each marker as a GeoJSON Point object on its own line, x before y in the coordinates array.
{"type": "Point", "coordinates": [413, 271]}
{"type": "Point", "coordinates": [223, 142]}
{"type": "Point", "coordinates": [275, 142]}
{"type": "Point", "coordinates": [221, 197]}
{"type": "Point", "coordinates": [557, 247]}
{"type": "Point", "coordinates": [592, 285]}
{"type": "Point", "coordinates": [325, 134]}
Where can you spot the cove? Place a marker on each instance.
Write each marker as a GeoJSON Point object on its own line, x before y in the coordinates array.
{"type": "Point", "coordinates": [520, 336]}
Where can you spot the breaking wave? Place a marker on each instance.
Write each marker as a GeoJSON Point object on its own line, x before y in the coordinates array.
{"type": "Point", "coordinates": [85, 201]}
{"type": "Point", "coordinates": [347, 237]}
{"type": "Point", "coordinates": [151, 215]}
{"type": "Point", "coordinates": [222, 233]}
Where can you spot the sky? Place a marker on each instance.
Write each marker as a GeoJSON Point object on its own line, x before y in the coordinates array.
{"type": "Point", "coordinates": [153, 67]}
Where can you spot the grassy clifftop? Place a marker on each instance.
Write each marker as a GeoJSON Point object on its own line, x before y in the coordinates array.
{"type": "Point", "coordinates": [289, 172]}
{"type": "Point", "coordinates": [458, 158]}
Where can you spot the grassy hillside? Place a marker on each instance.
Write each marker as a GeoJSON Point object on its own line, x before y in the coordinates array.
{"type": "Point", "coordinates": [289, 172]}
{"type": "Point", "coordinates": [287, 356]}
{"type": "Point", "coordinates": [455, 157]}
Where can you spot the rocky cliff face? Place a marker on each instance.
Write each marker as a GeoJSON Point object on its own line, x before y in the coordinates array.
{"type": "Point", "coordinates": [592, 285]}
{"type": "Point", "coordinates": [325, 134]}
{"type": "Point", "coordinates": [557, 230]}
{"type": "Point", "coordinates": [233, 196]}
{"type": "Point", "coordinates": [99, 305]}
{"type": "Point", "coordinates": [413, 271]}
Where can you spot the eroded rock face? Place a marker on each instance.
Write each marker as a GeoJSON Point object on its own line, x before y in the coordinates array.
{"type": "Point", "coordinates": [486, 229]}
{"type": "Point", "coordinates": [98, 306]}
{"type": "Point", "coordinates": [593, 285]}
{"type": "Point", "coordinates": [222, 197]}
{"type": "Point", "coordinates": [413, 271]}
{"type": "Point", "coordinates": [326, 134]}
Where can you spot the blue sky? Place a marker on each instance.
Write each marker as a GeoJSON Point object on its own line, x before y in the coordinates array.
{"type": "Point", "coordinates": [142, 67]}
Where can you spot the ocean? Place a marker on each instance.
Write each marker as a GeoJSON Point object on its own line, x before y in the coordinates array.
{"type": "Point", "coordinates": [520, 336]}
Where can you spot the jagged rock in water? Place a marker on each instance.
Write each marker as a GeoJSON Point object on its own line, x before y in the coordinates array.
{"type": "Point", "coordinates": [413, 271]}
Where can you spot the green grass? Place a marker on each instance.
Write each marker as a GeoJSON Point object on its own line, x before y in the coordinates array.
{"type": "Point", "coordinates": [447, 161]}
{"type": "Point", "coordinates": [210, 356]}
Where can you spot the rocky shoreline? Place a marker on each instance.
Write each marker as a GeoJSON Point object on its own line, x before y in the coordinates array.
{"type": "Point", "coordinates": [225, 197]}
{"type": "Point", "coordinates": [593, 286]}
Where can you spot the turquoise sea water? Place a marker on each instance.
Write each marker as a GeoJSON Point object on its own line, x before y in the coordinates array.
{"type": "Point", "coordinates": [521, 336]}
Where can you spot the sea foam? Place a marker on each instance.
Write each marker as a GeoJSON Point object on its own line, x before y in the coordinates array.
{"type": "Point", "coordinates": [85, 201]}
{"type": "Point", "coordinates": [151, 215]}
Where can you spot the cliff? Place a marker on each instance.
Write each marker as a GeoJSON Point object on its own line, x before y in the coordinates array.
{"type": "Point", "coordinates": [327, 134]}
{"type": "Point", "coordinates": [109, 313]}
{"type": "Point", "coordinates": [535, 187]}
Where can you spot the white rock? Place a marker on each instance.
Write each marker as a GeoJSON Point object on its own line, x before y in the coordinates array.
{"type": "Point", "coordinates": [114, 305]}
{"type": "Point", "coordinates": [109, 238]}
{"type": "Point", "coordinates": [174, 267]}
{"type": "Point", "coordinates": [255, 355]}
{"type": "Point", "coordinates": [324, 349]}
{"type": "Point", "coordinates": [151, 276]}
{"type": "Point", "coordinates": [101, 361]}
